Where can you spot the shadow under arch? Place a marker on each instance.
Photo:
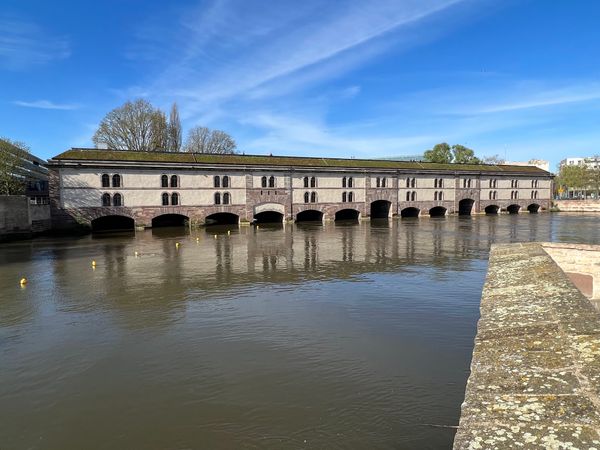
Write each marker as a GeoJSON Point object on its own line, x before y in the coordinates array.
{"type": "Point", "coordinates": [347, 214]}
{"type": "Point", "coordinates": [513, 209]}
{"type": "Point", "coordinates": [533, 208]}
{"type": "Point", "coordinates": [169, 220]}
{"type": "Point", "coordinates": [309, 215]}
{"type": "Point", "coordinates": [268, 217]}
{"type": "Point", "coordinates": [492, 210]}
{"type": "Point", "coordinates": [465, 206]}
{"type": "Point", "coordinates": [112, 223]}
{"type": "Point", "coordinates": [222, 218]}
{"type": "Point", "coordinates": [410, 212]}
{"type": "Point", "coordinates": [380, 209]}
{"type": "Point", "coordinates": [437, 211]}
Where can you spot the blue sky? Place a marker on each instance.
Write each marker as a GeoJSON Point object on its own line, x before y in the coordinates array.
{"type": "Point", "coordinates": [344, 78]}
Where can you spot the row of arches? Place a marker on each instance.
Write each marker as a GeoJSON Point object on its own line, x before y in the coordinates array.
{"type": "Point", "coordinates": [379, 210]}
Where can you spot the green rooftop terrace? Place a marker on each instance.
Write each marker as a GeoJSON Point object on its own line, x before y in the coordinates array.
{"type": "Point", "coordinates": [97, 155]}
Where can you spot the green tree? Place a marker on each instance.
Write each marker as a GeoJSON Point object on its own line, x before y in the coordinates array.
{"type": "Point", "coordinates": [440, 153]}
{"type": "Point", "coordinates": [573, 177]}
{"type": "Point", "coordinates": [12, 172]}
{"type": "Point", "coordinates": [593, 178]}
{"type": "Point", "coordinates": [464, 155]}
{"type": "Point", "coordinates": [174, 130]}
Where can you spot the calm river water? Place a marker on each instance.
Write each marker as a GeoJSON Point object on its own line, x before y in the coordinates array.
{"type": "Point", "coordinates": [335, 336]}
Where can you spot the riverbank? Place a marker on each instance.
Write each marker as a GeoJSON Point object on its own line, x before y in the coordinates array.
{"type": "Point", "coordinates": [536, 362]}
{"type": "Point", "coordinates": [587, 206]}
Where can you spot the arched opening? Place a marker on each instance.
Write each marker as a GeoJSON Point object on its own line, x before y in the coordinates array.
{"type": "Point", "coordinates": [437, 211]}
{"type": "Point", "coordinates": [347, 214]}
{"type": "Point", "coordinates": [410, 212]}
{"type": "Point", "coordinates": [309, 215]}
{"type": "Point", "coordinates": [492, 210]}
{"type": "Point", "coordinates": [169, 220]}
{"type": "Point", "coordinates": [465, 207]}
{"type": "Point", "coordinates": [380, 209]}
{"type": "Point", "coordinates": [533, 208]}
{"type": "Point", "coordinates": [513, 209]}
{"type": "Point", "coordinates": [222, 218]}
{"type": "Point", "coordinates": [112, 223]}
{"type": "Point", "coordinates": [268, 217]}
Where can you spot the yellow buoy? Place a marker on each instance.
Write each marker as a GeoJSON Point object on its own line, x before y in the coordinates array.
{"type": "Point", "coordinates": [257, 227]}
{"type": "Point", "coordinates": [215, 236]}
{"type": "Point", "coordinates": [93, 263]}
{"type": "Point", "coordinates": [177, 244]}
{"type": "Point", "coordinates": [136, 254]}
{"type": "Point", "coordinates": [228, 232]}
{"type": "Point", "coordinates": [23, 281]}
{"type": "Point", "coordinates": [197, 239]}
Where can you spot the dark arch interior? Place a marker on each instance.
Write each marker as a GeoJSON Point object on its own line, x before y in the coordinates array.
{"type": "Point", "coordinates": [346, 214]}
{"type": "Point", "coordinates": [533, 208]}
{"type": "Point", "coordinates": [268, 217]}
{"type": "Point", "coordinates": [409, 212]}
{"type": "Point", "coordinates": [437, 211]}
{"type": "Point", "coordinates": [222, 218]}
{"type": "Point", "coordinates": [380, 209]}
{"type": "Point", "coordinates": [492, 209]}
{"type": "Point", "coordinates": [513, 209]}
{"type": "Point", "coordinates": [112, 223]}
{"type": "Point", "coordinates": [169, 220]}
{"type": "Point", "coordinates": [309, 216]}
{"type": "Point", "coordinates": [465, 206]}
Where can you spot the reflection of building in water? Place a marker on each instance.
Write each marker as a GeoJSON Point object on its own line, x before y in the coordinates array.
{"type": "Point", "coordinates": [100, 188]}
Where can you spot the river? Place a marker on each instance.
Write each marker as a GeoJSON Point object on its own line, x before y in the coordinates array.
{"type": "Point", "coordinates": [333, 336]}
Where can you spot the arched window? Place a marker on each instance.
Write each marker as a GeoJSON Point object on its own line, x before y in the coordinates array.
{"type": "Point", "coordinates": [350, 196]}
{"type": "Point", "coordinates": [116, 180]}
{"type": "Point", "coordinates": [174, 199]}
{"type": "Point", "coordinates": [441, 183]}
{"type": "Point", "coordinates": [344, 182]}
{"type": "Point", "coordinates": [165, 199]}
{"type": "Point", "coordinates": [217, 198]}
{"type": "Point", "coordinates": [516, 184]}
{"type": "Point", "coordinates": [413, 196]}
{"type": "Point", "coordinates": [491, 184]}
{"type": "Point", "coordinates": [344, 196]}
{"type": "Point", "coordinates": [313, 197]}
{"type": "Point", "coordinates": [305, 182]}
{"type": "Point", "coordinates": [350, 182]}
{"type": "Point", "coordinates": [383, 182]}
{"type": "Point", "coordinates": [105, 180]}
{"type": "Point", "coordinates": [263, 182]}
{"type": "Point", "coordinates": [464, 183]}
{"type": "Point", "coordinates": [435, 193]}
{"type": "Point", "coordinates": [217, 181]}
{"type": "Point", "coordinates": [413, 182]}
{"type": "Point", "coordinates": [225, 182]}
{"type": "Point", "coordinates": [117, 200]}
{"type": "Point", "coordinates": [106, 199]}
{"type": "Point", "coordinates": [313, 182]}
{"type": "Point", "coordinates": [271, 181]}
{"type": "Point", "coordinates": [435, 183]}
{"type": "Point", "coordinates": [164, 181]}
{"type": "Point", "coordinates": [408, 196]}
{"type": "Point", "coordinates": [491, 195]}
{"type": "Point", "coordinates": [174, 181]}
{"type": "Point", "coordinates": [408, 182]}
{"type": "Point", "coordinates": [441, 196]}
{"type": "Point", "coordinates": [226, 198]}
{"type": "Point", "coordinates": [306, 197]}
{"type": "Point", "coordinates": [469, 183]}
{"type": "Point", "coordinates": [378, 182]}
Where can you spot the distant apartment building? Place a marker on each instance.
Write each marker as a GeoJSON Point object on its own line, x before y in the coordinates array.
{"type": "Point", "coordinates": [593, 162]}
{"type": "Point", "coordinates": [539, 163]}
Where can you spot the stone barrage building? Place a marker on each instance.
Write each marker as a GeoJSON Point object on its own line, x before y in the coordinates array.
{"type": "Point", "coordinates": [101, 188]}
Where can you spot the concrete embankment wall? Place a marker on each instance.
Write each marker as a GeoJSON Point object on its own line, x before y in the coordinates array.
{"type": "Point", "coordinates": [577, 205]}
{"type": "Point", "coordinates": [535, 372]}
{"type": "Point", "coordinates": [18, 218]}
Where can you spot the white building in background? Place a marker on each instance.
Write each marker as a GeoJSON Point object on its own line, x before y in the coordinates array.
{"type": "Point", "coordinates": [539, 163]}
{"type": "Point", "coordinates": [592, 162]}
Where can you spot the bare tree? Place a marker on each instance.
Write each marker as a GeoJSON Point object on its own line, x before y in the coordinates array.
{"type": "Point", "coordinates": [174, 130]}
{"type": "Point", "coordinates": [493, 159]}
{"type": "Point", "coordinates": [159, 131]}
{"type": "Point", "coordinates": [12, 172]}
{"type": "Point", "coordinates": [205, 140]}
{"type": "Point", "coordinates": [132, 126]}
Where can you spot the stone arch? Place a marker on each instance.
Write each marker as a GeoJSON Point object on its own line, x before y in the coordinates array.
{"type": "Point", "coordinates": [380, 209]}
{"type": "Point", "coordinates": [169, 220]}
{"type": "Point", "coordinates": [465, 206]}
{"type": "Point", "coordinates": [112, 222]}
{"type": "Point", "coordinates": [437, 211]}
{"type": "Point", "coordinates": [222, 218]}
{"type": "Point", "coordinates": [533, 208]}
{"type": "Point", "coordinates": [309, 215]}
{"type": "Point", "coordinates": [269, 213]}
{"type": "Point", "coordinates": [410, 212]}
{"type": "Point", "coordinates": [347, 214]}
{"type": "Point", "coordinates": [513, 209]}
{"type": "Point", "coordinates": [492, 210]}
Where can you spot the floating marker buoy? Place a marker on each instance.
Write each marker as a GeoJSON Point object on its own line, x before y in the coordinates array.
{"type": "Point", "coordinates": [228, 232]}
{"type": "Point", "coordinates": [177, 244]}
{"type": "Point", "coordinates": [136, 254]}
{"type": "Point", "coordinates": [197, 239]}
{"type": "Point", "coordinates": [257, 227]}
{"type": "Point", "coordinates": [23, 281]}
{"type": "Point", "coordinates": [93, 263]}
{"type": "Point", "coordinates": [215, 236]}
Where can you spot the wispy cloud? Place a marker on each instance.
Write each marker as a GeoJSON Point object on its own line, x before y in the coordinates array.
{"type": "Point", "coordinates": [24, 44]}
{"type": "Point", "coordinates": [46, 104]}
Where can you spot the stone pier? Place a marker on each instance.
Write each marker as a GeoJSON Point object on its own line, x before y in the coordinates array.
{"type": "Point", "coordinates": [535, 372]}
